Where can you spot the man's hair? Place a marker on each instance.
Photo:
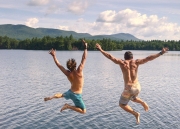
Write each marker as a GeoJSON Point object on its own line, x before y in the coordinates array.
{"type": "Point", "coordinates": [128, 55]}
{"type": "Point", "coordinates": [71, 64]}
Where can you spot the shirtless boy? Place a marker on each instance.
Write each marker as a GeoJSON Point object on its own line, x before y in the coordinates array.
{"type": "Point", "coordinates": [75, 76]}
{"type": "Point", "coordinates": [132, 87]}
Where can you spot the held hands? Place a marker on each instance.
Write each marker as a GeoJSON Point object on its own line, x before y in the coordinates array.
{"type": "Point", "coordinates": [98, 46]}
{"type": "Point", "coordinates": [52, 52]}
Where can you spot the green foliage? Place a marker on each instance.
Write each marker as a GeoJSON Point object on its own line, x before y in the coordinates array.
{"type": "Point", "coordinates": [70, 43]}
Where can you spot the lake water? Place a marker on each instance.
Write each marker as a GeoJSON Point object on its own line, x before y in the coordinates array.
{"type": "Point", "coordinates": [29, 76]}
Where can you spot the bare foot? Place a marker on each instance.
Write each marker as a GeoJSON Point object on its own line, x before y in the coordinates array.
{"type": "Point", "coordinates": [66, 106]}
{"type": "Point", "coordinates": [137, 115]}
{"type": "Point", "coordinates": [47, 98]}
{"type": "Point", "coordinates": [137, 118]}
{"type": "Point", "coordinates": [146, 107]}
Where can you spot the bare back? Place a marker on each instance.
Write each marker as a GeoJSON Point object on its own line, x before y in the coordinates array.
{"type": "Point", "coordinates": [129, 69]}
{"type": "Point", "coordinates": [77, 81]}
{"type": "Point", "coordinates": [76, 76]}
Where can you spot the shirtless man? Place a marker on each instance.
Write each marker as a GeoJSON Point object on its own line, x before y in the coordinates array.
{"type": "Point", "coordinates": [132, 87]}
{"type": "Point", "coordinates": [75, 76]}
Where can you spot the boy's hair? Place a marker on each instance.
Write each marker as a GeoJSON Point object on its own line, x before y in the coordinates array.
{"type": "Point", "coordinates": [128, 55]}
{"type": "Point", "coordinates": [71, 64]}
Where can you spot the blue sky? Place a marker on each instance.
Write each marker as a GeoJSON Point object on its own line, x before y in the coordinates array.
{"type": "Point", "coordinates": [148, 20]}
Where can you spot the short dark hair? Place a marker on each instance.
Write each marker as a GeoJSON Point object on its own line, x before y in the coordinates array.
{"type": "Point", "coordinates": [128, 55]}
{"type": "Point", "coordinates": [71, 64]}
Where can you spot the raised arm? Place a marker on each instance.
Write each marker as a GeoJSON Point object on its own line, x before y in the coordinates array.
{"type": "Point", "coordinates": [84, 56]}
{"type": "Point", "coordinates": [53, 53]}
{"type": "Point", "coordinates": [109, 56]}
{"type": "Point", "coordinates": [152, 57]}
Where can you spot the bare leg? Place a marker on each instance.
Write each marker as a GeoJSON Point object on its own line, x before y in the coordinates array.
{"type": "Point", "coordinates": [130, 110]}
{"type": "Point", "coordinates": [58, 95]}
{"type": "Point", "coordinates": [67, 106]}
{"type": "Point", "coordinates": [144, 104]}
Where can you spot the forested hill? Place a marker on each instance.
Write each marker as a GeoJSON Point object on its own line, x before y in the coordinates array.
{"type": "Point", "coordinates": [22, 32]}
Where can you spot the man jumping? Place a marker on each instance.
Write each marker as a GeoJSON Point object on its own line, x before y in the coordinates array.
{"type": "Point", "coordinates": [132, 87]}
{"type": "Point", "coordinates": [75, 76]}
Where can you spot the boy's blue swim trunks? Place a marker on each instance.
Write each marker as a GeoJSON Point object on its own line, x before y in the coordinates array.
{"type": "Point", "coordinates": [76, 98]}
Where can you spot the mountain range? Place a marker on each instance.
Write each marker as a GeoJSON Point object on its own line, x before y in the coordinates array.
{"type": "Point", "coordinates": [22, 32]}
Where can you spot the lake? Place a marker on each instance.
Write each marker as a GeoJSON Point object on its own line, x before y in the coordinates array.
{"type": "Point", "coordinates": [29, 76]}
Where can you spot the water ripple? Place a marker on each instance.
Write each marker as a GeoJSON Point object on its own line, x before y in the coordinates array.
{"type": "Point", "coordinates": [29, 76]}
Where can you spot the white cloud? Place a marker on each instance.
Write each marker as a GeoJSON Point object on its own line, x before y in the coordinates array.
{"type": "Point", "coordinates": [140, 25]}
{"type": "Point", "coordinates": [107, 16]}
{"type": "Point", "coordinates": [38, 2]}
{"type": "Point", "coordinates": [31, 22]}
{"type": "Point", "coordinates": [128, 21]}
{"type": "Point", "coordinates": [78, 6]}
{"type": "Point", "coordinates": [63, 27]}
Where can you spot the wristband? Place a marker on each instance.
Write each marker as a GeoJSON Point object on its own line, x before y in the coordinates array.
{"type": "Point", "coordinates": [160, 53]}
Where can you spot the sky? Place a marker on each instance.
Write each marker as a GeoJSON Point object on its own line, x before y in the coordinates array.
{"type": "Point", "coordinates": [147, 20]}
